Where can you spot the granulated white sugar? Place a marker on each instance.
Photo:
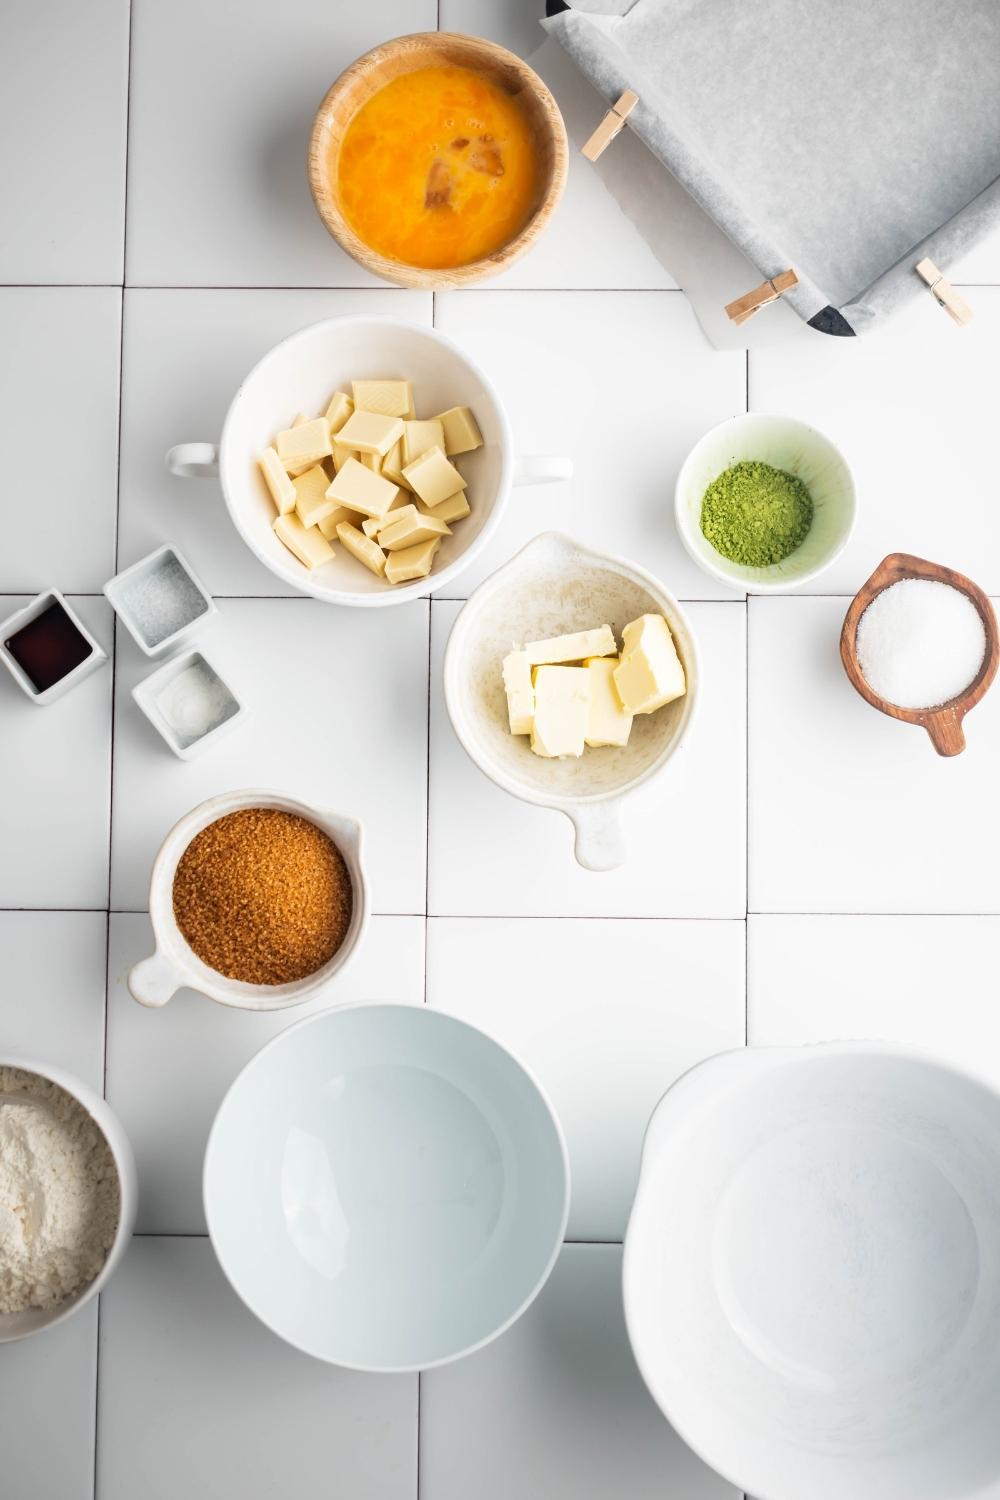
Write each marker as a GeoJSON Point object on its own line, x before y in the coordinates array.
{"type": "Point", "coordinates": [59, 1193]}
{"type": "Point", "coordinates": [920, 643]}
{"type": "Point", "coordinates": [163, 601]}
{"type": "Point", "coordinates": [196, 701]}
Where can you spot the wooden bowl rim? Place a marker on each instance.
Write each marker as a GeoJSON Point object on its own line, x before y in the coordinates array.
{"type": "Point", "coordinates": [894, 568]}
{"type": "Point", "coordinates": [424, 276]}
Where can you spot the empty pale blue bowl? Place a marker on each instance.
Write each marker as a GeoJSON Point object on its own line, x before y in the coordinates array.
{"type": "Point", "coordinates": [386, 1187]}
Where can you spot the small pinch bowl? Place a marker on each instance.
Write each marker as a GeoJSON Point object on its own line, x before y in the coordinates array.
{"type": "Point", "coordinates": [944, 721]}
{"type": "Point", "coordinates": [785, 443]}
{"type": "Point", "coordinates": [552, 586]}
{"type": "Point", "coordinates": [386, 1187]}
{"type": "Point", "coordinates": [405, 54]}
{"type": "Point", "coordinates": [21, 1324]}
{"type": "Point", "coordinates": [174, 963]}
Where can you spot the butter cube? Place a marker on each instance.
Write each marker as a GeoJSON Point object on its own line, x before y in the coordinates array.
{"type": "Point", "coordinates": [370, 432]}
{"type": "Point", "coordinates": [338, 411]}
{"type": "Point", "coordinates": [562, 707]}
{"type": "Point", "coordinates": [433, 477]}
{"type": "Point", "coordinates": [418, 437]}
{"type": "Point", "coordinates": [520, 692]}
{"type": "Point", "coordinates": [305, 444]}
{"type": "Point", "coordinates": [328, 525]}
{"type": "Point", "coordinates": [390, 398]}
{"type": "Point", "coordinates": [408, 530]}
{"type": "Point", "coordinates": [311, 502]}
{"type": "Point", "coordinates": [650, 673]}
{"type": "Point", "coordinates": [455, 508]}
{"type": "Point", "coordinates": [411, 562]}
{"type": "Point", "coordinates": [362, 547]}
{"type": "Point", "coordinates": [392, 465]}
{"type": "Point", "coordinates": [575, 647]}
{"type": "Point", "coordinates": [360, 489]}
{"type": "Point", "coordinates": [307, 543]}
{"type": "Point", "coordinates": [277, 481]}
{"type": "Point", "coordinates": [461, 430]}
{"type": "Point", "coordinates": [608, 723]}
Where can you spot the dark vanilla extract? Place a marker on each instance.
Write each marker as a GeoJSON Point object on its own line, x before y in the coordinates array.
{"type": "Point", "coordinates": [49, 647]}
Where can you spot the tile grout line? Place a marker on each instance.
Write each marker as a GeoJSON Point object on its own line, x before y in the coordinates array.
{"type": "Point", "coordinates": [746, 788]}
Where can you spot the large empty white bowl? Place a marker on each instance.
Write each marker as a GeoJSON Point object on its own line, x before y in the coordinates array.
{"type": "Point", "coordinates": [553, 586]}
{"type": "Point", "coordinates": [386, 1187]}
{"type": "Point", "coordinates": [812, 1273]}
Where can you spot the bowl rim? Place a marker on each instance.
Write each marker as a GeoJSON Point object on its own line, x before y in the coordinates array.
{"type": "Point", "coordinates": [563, 802]}
{"type": "Point", "coordinates": [399, 272]}
{"type": "Point", "coordinates": [725, 571]}
{"type": "Point", "coordinates": [440, 1014]}
{"type": "Point", "coordinates": [396, 594]}
{"type": "Point", "coordinates": [124, 1160]}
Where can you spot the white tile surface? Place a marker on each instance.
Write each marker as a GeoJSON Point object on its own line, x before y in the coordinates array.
{"type": "Point", "coordinates": [54, 967]}
{"type": "Point", "coordinates": [338, 716]}
{"type": "Point", "coordinates": [925, 981]}
{"type": "Point", "coordinates": [239, 214]}
{"type": "Point", "coordinates": [199, 1398]}
{"type": "Point", "coordinates": [193, 1049]}
{"type": "Point", "coordinates": [980, 264]}
{"type": "Point", "coordinates": [491, 854]}
{"type": "Point", "coordinates": [624, 384]}
{"type": "Point", "coordinates": [607, 1015]}
{"type": "Point", "coordinates": [556, 1407]}
{"type": "Point", "coordinates": [48, 1444]}
{"type": "Point", "coordinates": [851, 811]}
{"type": "Point", "coordinates": [60, 353]}
{"type": "Point", "coordinates": [55, 765]}
{"type": "Point", "coordinates": [185, 354]}
{"type": "Point", "coordinates": [913, 409]}
{"type": "Point", "coordinates": [62, 141]}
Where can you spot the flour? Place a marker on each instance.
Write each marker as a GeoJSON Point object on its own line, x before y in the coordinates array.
{"type": "Point", "coordinates": [59, 1193]}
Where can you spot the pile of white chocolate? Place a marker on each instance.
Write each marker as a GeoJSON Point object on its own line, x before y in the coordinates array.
{"type": "Point", "coordinates": [576, 690]}
{"type": "Point", "coordinates": [370, 473]}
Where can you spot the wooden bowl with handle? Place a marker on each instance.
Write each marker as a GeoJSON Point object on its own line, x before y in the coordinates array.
{"type": "Point", "coordinates": [406, 54]}
{"type": "Point", "coordinates": [944, 721]}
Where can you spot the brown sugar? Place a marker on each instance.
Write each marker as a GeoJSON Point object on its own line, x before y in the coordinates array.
{"type": "Point", "coordinates": [263, 896]}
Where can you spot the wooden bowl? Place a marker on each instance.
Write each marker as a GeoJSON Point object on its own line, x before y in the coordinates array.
{"type": "Point", "coordinates": [944, 722]}
{"type": "Point", "coordinates": [405, 54]}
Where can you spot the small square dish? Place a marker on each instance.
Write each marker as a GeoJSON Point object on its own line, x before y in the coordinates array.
{"type": "Point", "coordinates": [189, 703]}
{"type": "Point", "coordinates": [159, 600]}
{"type": "Point", "coordinates": [47, 649]}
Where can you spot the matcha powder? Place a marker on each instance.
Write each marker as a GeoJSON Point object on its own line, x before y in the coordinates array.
{"type": "Point", "coordinates": [756, 515]}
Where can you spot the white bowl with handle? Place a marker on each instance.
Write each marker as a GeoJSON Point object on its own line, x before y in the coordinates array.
{"type": "Point", "coordinates": [812, 1272]}
{"type": "Point", "coordinates": [299, 375]}
{"type": "Point", "coordinates": [553, 586]}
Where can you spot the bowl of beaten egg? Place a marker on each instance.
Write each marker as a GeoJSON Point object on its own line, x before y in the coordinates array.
{"type": "Point", "coordinates": [437, 159]}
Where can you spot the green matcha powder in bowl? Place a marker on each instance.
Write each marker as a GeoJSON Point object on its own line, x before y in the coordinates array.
{"type": "Point", "coordinates": [803, 490]}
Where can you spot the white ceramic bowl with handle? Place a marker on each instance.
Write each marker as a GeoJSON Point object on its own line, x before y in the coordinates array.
{"type": "Point", "coordinates": [174, 964]}
{"type": "Point", "coordinates": [19, 1325]}
{"type": "Point", "coordinates": [812, 1272]}
{"type": "Point", "coordinates": [300, 374]}
{"type": "Point", "coordinates": [552, 586]}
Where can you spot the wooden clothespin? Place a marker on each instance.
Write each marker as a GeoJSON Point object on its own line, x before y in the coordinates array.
{"type": "Point", "coordinates": [612, 123]}
{"type": "Point", "coordinates": [751, 302]}
{"type": "Point", "coordinates": [943, 292]}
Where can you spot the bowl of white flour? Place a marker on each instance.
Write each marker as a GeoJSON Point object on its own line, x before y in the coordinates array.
{"type": "Point", "coordinates": [67, 1195]}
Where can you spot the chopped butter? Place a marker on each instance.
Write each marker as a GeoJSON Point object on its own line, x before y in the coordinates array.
{"type": "Point", "coordinates": [520, 692]}
{"type": "Point", "coordinates": [608, 722]}
{"type": "Point", "coordinates": [562, 705]}
{"type": "Point", "coordinates": [650, 673]}
{"type": "Point", "coordinates": [574, 647]}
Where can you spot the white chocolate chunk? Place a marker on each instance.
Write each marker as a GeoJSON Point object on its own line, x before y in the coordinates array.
{"type": "Point", "coordinates": [300, 419]}
{"type": "Point", "coordinates": [328, 525]}
{"type": "Point", "coordinates": [392, 465]}
{"type": "Point", "coordinates": [574, 647]}
{"type": "Point", "coordinates": [360, 489]}
{"type": "Point", "coordinates": [455, 508]}
{"type": "Point", "coordinates": [305, 444]}
{"type": "Point", "coordinates": [371, 461]}
{"type": "Point", "coordinates": [418, 437]}
{"type": "Point", "coordinates": [370, 432]}
{"type": "Point", "coordinates": [411, 562]}
{"type": "Point", "coordinates": [277, 481]}
{"type": "Point", "coordinates": [309, 545]}
{"type": "Point", "coordinates": [650, 673]}
{"type": "Point", "coordinates": [338, 411]}
{"type": "Point", "coordinates": [408, 530]}
{"type": "Point", "coordinates": [340, 455]}
{"type": "Point", "coordinates": [372, 525]}
{"type": "Point", "coordinates": [390, 398]}
{"type": "Point", "coordinates": [562, 706]}
{"type": "Point", "coordinates": [433, 478]}
{"type": "Point", "coordinates": [311, 502]}
{"type": "Point", "coordinates": [608, 722]}
{"type": "Point", "coordinates": [520, 692]}
{"type": "Point", "coordinates": [362, 547]}
{"type": "Point", "coordinates": [461, 430]}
